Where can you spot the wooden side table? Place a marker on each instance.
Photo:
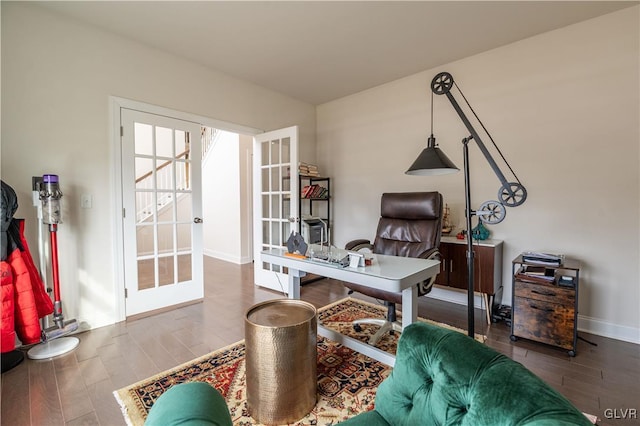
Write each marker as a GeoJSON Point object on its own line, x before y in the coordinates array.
{"type": "Point", "coordinates": [487, 271]}
{"type": "Point", "coordinates": [546, 309]}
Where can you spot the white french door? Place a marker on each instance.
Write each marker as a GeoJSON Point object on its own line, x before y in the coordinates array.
{"type": "Point", "coordinates": [162, 201]}
{"type": "Point", "coordinates": [275, 200]}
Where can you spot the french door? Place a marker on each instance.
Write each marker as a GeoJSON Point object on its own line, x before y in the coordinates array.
{"type": "Point", "coordinates": [162, 210]}
{"type": "Point", "coordinates": [275, 201]}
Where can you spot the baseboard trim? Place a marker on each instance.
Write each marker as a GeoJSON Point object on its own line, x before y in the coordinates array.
{"type": "Point", "coordinates": [607, 329]}
{"type": "Point", "coordinates": [585, 323]}
{"type": "Point", "coordinates": [454, 295]}
{"type": "Point", "coordinates": [227, 257]}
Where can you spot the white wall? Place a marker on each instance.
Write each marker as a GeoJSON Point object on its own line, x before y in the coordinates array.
{"type": "Point", "coordinates": [564, 109]}
{"type": "Point", "coordinates": [57, 76]}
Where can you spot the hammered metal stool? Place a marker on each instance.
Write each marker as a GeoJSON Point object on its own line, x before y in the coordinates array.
{"type": "Point", "coordinates": [281, 360]}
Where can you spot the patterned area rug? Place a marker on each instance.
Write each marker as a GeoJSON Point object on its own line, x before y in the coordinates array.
{"type": "Point", "coordinates": [347, 380]}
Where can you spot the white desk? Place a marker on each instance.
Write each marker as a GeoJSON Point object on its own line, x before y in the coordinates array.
{"type": "Point", "coordinates": [390, 273]}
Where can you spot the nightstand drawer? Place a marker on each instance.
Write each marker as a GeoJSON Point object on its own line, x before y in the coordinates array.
{"type": "Point", "coordinates": [545, 292]}
{"type": "Point", "coordinates": [544, 321]}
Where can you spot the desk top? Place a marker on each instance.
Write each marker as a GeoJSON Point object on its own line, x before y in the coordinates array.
{"type": "Point", "coordinates": [390, 273]}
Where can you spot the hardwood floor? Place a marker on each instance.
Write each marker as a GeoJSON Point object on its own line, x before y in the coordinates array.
{"type": "Point", "coordinates": [76, 389]}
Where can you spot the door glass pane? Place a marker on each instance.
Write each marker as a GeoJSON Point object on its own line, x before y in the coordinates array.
{"type": "Point", "coordinates": [164, 174]}
{"type": "Point", "coordinates": [164, 142]}
{"type": "Point", "coordinates": [274, 146]}
{"type": "Point", "coordinates": [265, 206]}
{"type": "Point", "coordinates": [146, 274]}
{"type": "Point", "coordinates": [286, 231]}
{"type": "Point", "coordinates": [265, 180]}
{"type": "Point", "coordinates": [143, 170]}
{"type": "Point", "coordinates": [275, 179]}
{"type": "Point", "coordinates": [265, 153]}
{"type": "Point", "coordinates": [266, 237]}
{"type": "Point", "coordinates": [286, 207]}
{"type": "Point", "coordinates": [165, 270]}
{"type": "Point", "coordinates": [275, 233]}
{"type": "Point", "coordinates": [164, 205]}
{"type": "Point", "coordinates": [144, 206]}
{"type": "Point", "coordinates": [275, 205]}
{"type": "Point", "coordinates": [144, 240]}
{"type": "Point", "coordinates": [183, 175]}
{"type": "Point", "coordinates": [184, 212]}
{"type": "Point", "coordinates": [143, 139]}
{"type": "Point", "coordinates": [184, 267]}
{"type": "Point", "coordinates": [286, 150]}
{"type": "Point", "coordinates": [184, 236]}
{"type": "Point", "coordinates": [165, 238]}
{"type": "Point", "coordinates": [182, 144]}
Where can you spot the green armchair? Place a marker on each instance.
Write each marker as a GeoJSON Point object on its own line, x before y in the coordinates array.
{"type": "Point", "coordinates": [443, 377]}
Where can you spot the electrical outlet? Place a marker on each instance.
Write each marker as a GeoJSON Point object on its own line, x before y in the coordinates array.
{"type": "Point", "coordinates": [86, 201]}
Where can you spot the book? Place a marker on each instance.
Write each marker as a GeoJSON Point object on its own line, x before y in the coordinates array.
{"type": "Point", "coordinates": [535, 275]}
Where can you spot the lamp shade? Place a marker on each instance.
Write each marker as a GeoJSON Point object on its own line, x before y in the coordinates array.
{"type": "Point", "coordinates": [432, 161]}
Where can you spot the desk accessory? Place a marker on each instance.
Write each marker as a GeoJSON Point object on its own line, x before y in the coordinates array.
{"type": "Point", "coordinates": [432, 161]}
{"type": "Point", "coordinates": [356, 259]}
{"type": "Point", "coordinates": [296, 244]}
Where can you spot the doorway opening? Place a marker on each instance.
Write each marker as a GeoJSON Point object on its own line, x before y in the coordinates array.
{"type": "Point", "coordinates": [227, 195]}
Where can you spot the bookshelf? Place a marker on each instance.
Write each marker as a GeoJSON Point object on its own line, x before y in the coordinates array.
{"type": "Point", "coordinates": [314, 202]}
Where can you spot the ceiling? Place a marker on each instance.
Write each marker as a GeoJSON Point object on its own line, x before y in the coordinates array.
{"type": "Point", "coordinates": [318, 51]}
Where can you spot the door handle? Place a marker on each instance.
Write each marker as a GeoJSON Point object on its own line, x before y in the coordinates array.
{"type": "Point", "coordinates": [197, 220]}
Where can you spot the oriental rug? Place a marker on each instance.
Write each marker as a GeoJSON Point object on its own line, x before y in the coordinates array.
{"type": "Point", "coordinates": [347, 380]}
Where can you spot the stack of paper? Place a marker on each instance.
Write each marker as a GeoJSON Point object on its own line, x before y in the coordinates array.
{"type": "Point", "coordinates": [542, 258]}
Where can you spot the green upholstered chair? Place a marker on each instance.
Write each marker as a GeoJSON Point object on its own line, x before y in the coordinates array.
{"type": "Point", "coordinates": [190, 404]}
{"type": "Point", "coordinates": [443, 377]}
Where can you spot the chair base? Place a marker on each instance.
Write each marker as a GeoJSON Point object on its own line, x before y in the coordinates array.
{"type": "Point", "coordinates": [385, 326]}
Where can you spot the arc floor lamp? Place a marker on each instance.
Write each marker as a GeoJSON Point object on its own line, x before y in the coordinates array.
{"type": "Point", "coordinates": [432, 161]}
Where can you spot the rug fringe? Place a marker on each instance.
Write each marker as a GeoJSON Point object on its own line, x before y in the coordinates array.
{"type": "Point", "coordinates": [123, 408]}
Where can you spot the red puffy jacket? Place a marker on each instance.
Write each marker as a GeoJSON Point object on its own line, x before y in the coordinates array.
{"type": "Point", "coordinates": [7, 333]}
{"type": "Point", "coordinates": [30, 300]}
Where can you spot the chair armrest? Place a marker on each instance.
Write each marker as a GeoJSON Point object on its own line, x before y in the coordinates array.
{"type": "Point", "coordinates": [425, 286]}
{"type": "Point", "coordinates": [356, 245]}
{"type": "Point", "coordinates": [433, 254]}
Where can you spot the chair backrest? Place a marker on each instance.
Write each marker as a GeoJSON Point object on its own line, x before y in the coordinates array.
{"type": "Point", "coordinates": [410, 223]}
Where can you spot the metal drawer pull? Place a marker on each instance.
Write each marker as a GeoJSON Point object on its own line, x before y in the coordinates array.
{"type": "Point", "coordinates": [543, 293]}
{"type": "Point", "coordinates": [541, 309]}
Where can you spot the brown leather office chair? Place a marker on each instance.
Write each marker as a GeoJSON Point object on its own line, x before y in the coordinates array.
{"type": "Point", "coordinates": [410, 225]}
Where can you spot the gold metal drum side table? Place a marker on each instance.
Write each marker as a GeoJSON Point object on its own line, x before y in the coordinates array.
{"type": "Point", "coordinates": [281, 360]}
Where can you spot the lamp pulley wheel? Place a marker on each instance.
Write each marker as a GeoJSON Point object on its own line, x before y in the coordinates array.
{"type": "Point", "coordinates": [442, 83]}
{"type": "Point", "coordinates": [513, 195]}
{"type": "Point", "coordinates": [491, 212]}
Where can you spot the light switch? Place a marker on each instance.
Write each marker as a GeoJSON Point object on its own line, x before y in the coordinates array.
{"type": "Point", "coordinates": [86, 201]}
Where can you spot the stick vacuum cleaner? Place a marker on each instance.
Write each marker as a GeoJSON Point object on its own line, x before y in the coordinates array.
{"type": "Point", "coordinates": [53, 341]}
